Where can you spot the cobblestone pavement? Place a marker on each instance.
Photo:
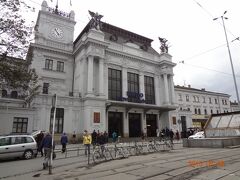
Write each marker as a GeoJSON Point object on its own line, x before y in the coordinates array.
{"type": "Point", "coordinates": [181, 163]}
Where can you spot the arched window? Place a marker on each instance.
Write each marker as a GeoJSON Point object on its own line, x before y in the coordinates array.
{"type": "Point", "coordinates": [14, 94]}
{"type": "Point", "coordinates": [205, 111]}
{"type": "Point", "coordinates": [4, 93]}
{"type": "Point", "coordinates": [195, 110]}
{"type": "Point", "coordinates": [199, 111]}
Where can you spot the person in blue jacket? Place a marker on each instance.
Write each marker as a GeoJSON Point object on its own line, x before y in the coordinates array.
{"type": "Point", "coordinates": [47, 146]}
{"type": "Point", "coordinates": [64, 141]}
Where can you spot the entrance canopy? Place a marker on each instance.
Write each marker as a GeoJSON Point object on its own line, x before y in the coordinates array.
{"type": "Point", "coordinates": [145, 107]}
{"type": "Point", "coordinates": [223, 125]}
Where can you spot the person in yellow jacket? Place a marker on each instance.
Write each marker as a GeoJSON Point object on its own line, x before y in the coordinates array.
{"type": "Point", "coordinates": [87, 141]}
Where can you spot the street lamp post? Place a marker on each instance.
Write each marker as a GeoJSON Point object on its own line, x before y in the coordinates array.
{"type": "Point", "coordinates": [230, 57]}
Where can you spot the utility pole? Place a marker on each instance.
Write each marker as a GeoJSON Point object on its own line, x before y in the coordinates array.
{"type": "Point", "coordinates": [230, 57]}
{"type": "Point", "coordinates": [54, 104]}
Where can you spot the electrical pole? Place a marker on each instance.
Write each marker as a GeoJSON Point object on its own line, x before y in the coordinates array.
{"type": "Point", "coordinates": [230, 57]}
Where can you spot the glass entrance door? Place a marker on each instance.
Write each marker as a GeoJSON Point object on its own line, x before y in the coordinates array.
{"type": "Point", "coordinates": [115, 123]}
{"type": "Point", "coordinates": [134, 124]}
{"type": "Point", "coordinates": [151, 120]}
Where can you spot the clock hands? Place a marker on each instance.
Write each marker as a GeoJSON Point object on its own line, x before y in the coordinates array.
{"type": "Point", "coordinates": [56, 30]}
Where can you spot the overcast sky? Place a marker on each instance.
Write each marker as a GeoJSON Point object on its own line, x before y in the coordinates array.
{"type": "Point", "coordinates": [188, 26]}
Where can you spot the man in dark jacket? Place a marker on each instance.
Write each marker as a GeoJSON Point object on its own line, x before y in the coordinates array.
{"type": "Point", "coordinates": [94, 137]}
{"type": "Point", "coordinates": [39, 139]}
{"type": "Point", "coordinates": [47, 146]}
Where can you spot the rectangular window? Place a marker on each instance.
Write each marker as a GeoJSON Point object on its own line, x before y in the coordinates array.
{"type": "Point", "coordinates": [216, 101]}
{"type": "Point", "coordinates": [45, 88]}
{"type": "Point", "coordinates": [149, 90]}
{"type": "Point", "coordinates": [174, 121]}
{"type": "Point", "coordinates": [60, 66]}
{"type": "Point", "coordinates": [180, 97]}
{"type": "Point", "coordinates": [187, 98]}
{"type": "Point", "coordinates": [133, 86]}
{"type": "Point", "coordinates": [204, 101]}
{"type": "Point", "coordinates": [20, 125]}
{"type": "Point", "coordinates": [58, 120]}
{"type": "Point", "coordinates": [49, 64]}
{"type": "Point", "coordinates": [114, 84]}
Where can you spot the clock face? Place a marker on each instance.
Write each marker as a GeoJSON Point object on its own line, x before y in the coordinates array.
{"type": "Point", "coordinates": [57, 32]}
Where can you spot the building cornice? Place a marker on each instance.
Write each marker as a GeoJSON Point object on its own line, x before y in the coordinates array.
{"type": "Point", "coordinates": [193, 90]}
{"type": "Point", "coordinates": [50, 49]}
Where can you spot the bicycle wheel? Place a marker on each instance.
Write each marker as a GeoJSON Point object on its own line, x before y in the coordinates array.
{"type": "Point", "coordinates": [97, 157]}
{"type": "Point", "coordinates": [108, 155]}
{"type": "Point", "coordinates": [150, 148]}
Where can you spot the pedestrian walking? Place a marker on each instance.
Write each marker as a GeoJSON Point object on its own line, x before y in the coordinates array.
{"type": "Point", "coordinates": [105, 134]}
{"type": "Point", "coordinates": [171, 134]}
{"type": "Point", "coordinates": [101, 141]}
{"type": "Point", "coordinates": [87, 141]}
{"type": "Point", "coordinates": [114, 136]}
{"type": "Point", "coordinates": [47, 146]}
{"type": "Point", "coordinates": [39, 139]}
{"type": "Point", "coordinates": [64, 141]}
{"type": "Point", "coordinates": [177, 135]}
{"type": "Point", "coordinates": [94, 137]}
{"type": "Point", "coordinates": [74, 137]}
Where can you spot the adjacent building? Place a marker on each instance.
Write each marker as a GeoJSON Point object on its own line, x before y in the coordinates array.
{"type": "Point", "coordinates": [195, 107]}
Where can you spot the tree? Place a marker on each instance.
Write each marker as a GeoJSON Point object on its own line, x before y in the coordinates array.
{"type": "Point", "coordinates": [16, 74]}
{"type": "Point", "coordinates": [14, 32]}
{"type": "Point", "coordinates": [15, 38]}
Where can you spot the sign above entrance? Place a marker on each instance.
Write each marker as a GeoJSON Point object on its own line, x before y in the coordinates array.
{"type": "Point", "coordinates": [138, 97]}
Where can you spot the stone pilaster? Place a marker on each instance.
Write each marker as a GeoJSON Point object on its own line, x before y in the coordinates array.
{"type": "Point", "coordinates": [90, 75]}
{"type": "Point", "coordinates": [101, 76]}
{"type": "Point", "coordinates": [166, 89]}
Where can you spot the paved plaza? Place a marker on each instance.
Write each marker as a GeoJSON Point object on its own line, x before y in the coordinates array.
{"type": "Point", "coordinates": [180, 163]}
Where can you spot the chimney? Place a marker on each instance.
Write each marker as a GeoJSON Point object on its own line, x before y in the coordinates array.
{"type": "Point", "coordinates": [189, 86]}
{"type": "Point", "coordinates": [203, 89]}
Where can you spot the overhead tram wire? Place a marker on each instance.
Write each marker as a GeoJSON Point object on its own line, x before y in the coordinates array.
{"type": "Point", "coordinates": [182, 62]}
{"type": "Point", "coordinates": [204, 52]}
{"type": "Point", "coordinates": [204, 9]}
{"type": "Point", "coordinates": [207, 51]}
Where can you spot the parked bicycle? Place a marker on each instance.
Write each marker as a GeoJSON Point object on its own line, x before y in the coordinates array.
{"type": "Point", "coordinates": [101, 153]}
{"type": "Point", "coordinates": [120, 150]}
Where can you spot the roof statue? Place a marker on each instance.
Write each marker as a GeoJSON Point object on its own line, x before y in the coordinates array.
{"type": "Point", "coordinates": [164, 45]}
{"type": "Point", "coordinates": [95, 22]}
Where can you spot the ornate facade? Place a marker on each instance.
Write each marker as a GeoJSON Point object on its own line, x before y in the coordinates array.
{"type": "Point", "coordinates": [108, 79]}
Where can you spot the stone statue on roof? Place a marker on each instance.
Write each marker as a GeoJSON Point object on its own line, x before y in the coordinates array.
{"type": "Point", "coordinates": [95, 22]}
{"type": "Point", "coordinates": [164, 45]}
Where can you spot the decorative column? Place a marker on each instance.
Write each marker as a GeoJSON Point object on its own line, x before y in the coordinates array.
{"type": "Point", "coordinates": [156, 89]}
{"type": "Point", "coordinates": [141, 81]}
{"type": "Point", "coordinates": [124, 82]}
{"type": "Point", "coordinates": [166, 88]}
{"type": "Point", "coordinates": [101, 76]}
{"type": "Point", "coordinates": [173, 100]}
{"type": "Point", "coordinates": [90, 75]}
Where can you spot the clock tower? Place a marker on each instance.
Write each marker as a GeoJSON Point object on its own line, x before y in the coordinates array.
{"type": "Point", "coordinates": [54, 26]}
{"type": "Point", "coordinates": [53, 50]}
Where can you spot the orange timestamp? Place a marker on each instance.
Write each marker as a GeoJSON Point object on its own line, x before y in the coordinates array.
{"type": "Point", "coordinates": [210, 163]}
